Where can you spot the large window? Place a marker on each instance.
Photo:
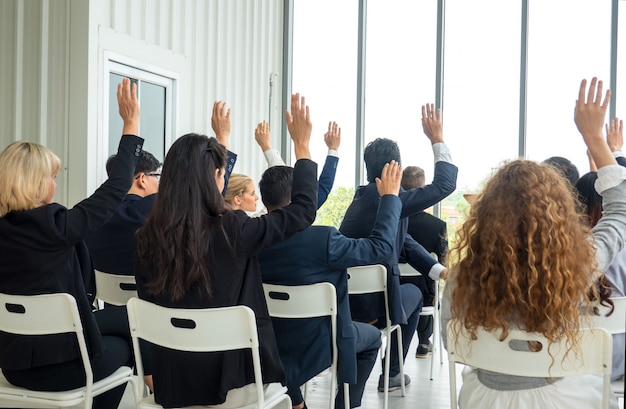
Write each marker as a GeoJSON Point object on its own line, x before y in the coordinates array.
{"type": "Point", "coordinates": [495, 108]}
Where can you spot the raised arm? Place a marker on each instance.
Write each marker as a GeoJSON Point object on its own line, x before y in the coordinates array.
{"type": "Point", "coordinates": [332, 138]}
{"type": "Point", "coordinates": [589, 117]}
{"type": "Point", "coordinates": [262, 138]}
{"type": "Point", "coordinates": [220, 122]}
{"type": "Point", "coordinates": [432, 123]}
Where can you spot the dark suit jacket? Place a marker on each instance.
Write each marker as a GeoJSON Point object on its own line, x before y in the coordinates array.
{"type": "Point", "coordinates": [322, 254]}
{"type": "Point", "coordinates": [42, 252]}
{"type": "Point", "coordinates": [187, 378]}
{"type": "Point", "coordinates": [359, 220]}
{"type": "Point", "coordinates": [431, 232]}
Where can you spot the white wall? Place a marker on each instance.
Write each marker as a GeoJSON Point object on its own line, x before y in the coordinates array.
{"type": "Point", "coordinates": [51, 87]}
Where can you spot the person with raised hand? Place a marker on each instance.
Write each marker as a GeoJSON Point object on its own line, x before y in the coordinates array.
{"type": "Point", "coordinates": [539, 276]}
{"type": "Point", "coordinates": [42, 251]}
{"type": "Point", "coordinates": [193, 252]}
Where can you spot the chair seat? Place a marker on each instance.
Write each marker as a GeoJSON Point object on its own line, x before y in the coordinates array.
{"type": "Point", "coordinates": [62, 398]}
{"type": "Point", "coordinates": [274, 393]}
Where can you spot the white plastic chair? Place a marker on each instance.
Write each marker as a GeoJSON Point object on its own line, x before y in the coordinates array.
{"type": "Point", "coordinates": [488, 352]}
{"type": "Point", "coordinates": [115, 289]}
{"type": "Point", "coordinates": [213, 329]}
{"type": "Point", "coordinates": [614, 324]}
{"type": "Point", "coordinates": [373, 279]}
{"type": "Point", "coordinates": [407, 271]}
{"type": "Point", "coordinates": [45, 315]}
{"type": "Point", "coordinates": [308, 301]}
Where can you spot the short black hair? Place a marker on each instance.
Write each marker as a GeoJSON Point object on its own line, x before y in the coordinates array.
{"type": "Point", "coordinates": [275, 186]}
{"type": "Point", "coordinates": [377, 154]}
{"type": "Point", "coordinates": [565, 167]}
{"type": "Point", "coordinates": [146, 163]}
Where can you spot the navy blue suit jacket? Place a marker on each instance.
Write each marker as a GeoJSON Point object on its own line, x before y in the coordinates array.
{"type": "Point", "coordinates": [322, 254]}
{"type": "Point", "coordinates": [359, 220]}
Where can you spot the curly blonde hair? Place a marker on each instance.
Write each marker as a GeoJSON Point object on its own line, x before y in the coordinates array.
{"type": "Point", "coordinates": [525, 257]}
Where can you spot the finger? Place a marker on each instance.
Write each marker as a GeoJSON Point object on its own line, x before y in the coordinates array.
{"type": "Point", "coordinates": [591, 93]}
{"type": "Point", "coordinates": [294, 102]}
{"type": "Point", "coordinates": [621, 126]}
{"type": "Point", "coordinates": [307, 114]}
{"type": "Point", "coordinates": [608, 130]}
{"type": "Point", "coordinates": [228, 114]}
{"type": "Point", "coordinates": [385, 172]}
{"type": "Point", "coordinates": [607, 97]}
{"type": "Point", "coordinates": [438, 113]}
{"type": "Point", "coordinates": [288, 118]}
{"type": "Point", "coordinates": [581, 92]}
{"type": "Point", "coordinates": [330, 126]}
{"type": "Point", "coordinates": [423, 112]}
{"type": "Point", "coordinates": [339, 132]}
{"type": "Point", "coordinates": [266, 127]}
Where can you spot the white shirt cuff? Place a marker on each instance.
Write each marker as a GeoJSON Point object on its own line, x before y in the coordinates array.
{"type": "Point", "coordinates": [609, 176]}
{"type": "Point", "coordinates": [442, 152]}
{"type": "Point", "coordinates": [333, 152]}
{"type": "Point", "coordinates": [435, 271]}
{"type": "Point", "coordinates": [618, 154]}
{"type": "Point", "coordinates": [272, 156]}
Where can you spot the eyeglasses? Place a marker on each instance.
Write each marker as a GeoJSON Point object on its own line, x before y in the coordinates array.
{"type": "Point", "coordinates": [156, 175]}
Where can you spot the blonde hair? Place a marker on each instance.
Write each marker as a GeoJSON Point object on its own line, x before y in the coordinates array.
{"type": "Point", "coordinates": [25, 169]}
{"type": "Point", "coordinates": [525, 257]}
{"type": "Point", "coordinates": [237, 184]}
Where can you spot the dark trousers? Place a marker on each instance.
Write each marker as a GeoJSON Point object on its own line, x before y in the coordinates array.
{"type": "Point", "coordinates": [427, 287]}
{"type": "Point", "coordinates": [367, 346]}
{"type": "Point", "coordinates": [412, 301]}
{"type": "Point", "coordinates": [113, 324]}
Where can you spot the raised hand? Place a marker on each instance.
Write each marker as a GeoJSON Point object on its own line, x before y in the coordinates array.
{"type": "Point", "coordinates": [332, 138]}
{"type": "Point", "coordinates": [220, 122]}
{"type": "Point", "coordinates": [128, 106]}
{"type": "Point", "coordinates": [300, 126]}
{"type": "Point", "coordinates": [262, 136]}
{"type": "Point", "coordinates": [390, 178]}
{"type": "Point", "coordinates": [432, 123]}
{"type": "Point", "coordinates": [589, 117]}
{"type": "Point", "coordinates": [614, 134]}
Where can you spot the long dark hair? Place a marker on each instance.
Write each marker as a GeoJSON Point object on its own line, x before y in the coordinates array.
{"type": "Point", "coordinates": [173, 245]}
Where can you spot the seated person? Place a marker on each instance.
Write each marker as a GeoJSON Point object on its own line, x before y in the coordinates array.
{"type": "Point", "coordinates": [405, 301]}
{"type": "Point", "coordinates": [42, 251]}
{"type": "Point", "coordinates": [240, 194]}
{"type": "Point", "coordinates": [322, 254]}
{"type": "Point", "coordinates": [112, 246]}
{"type": "Point", "coordinates": [194, 253]}
{"type": "Point", "coordinates": [432, 233]}
{"type": "Point", "coordinates": [537, 276]}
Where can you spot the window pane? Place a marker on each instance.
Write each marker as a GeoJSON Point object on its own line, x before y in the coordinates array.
{"type": "Point", "coordinates": [563, 49]}
{"type": "Point", "coordinates": [152, 101]}
{"type": "Point", "coordinates": [400, 75]}
{"type": "Point", "coordinates": [621, 62]}
{"type": "Point", "coordinates": [481, 92]}
{"type": "Point", "coordinates": [324, 71]}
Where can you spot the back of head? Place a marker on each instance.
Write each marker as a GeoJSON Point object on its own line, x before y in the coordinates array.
{"type": "Point", "coordinates": [275, 186]}
{"type": "Point", "coordinates": [26, 170]}
{"type": "Point", "coordinates": [146, 163]}
{"type": "Point", "coordinates": [565, 166]}
{"type": "Point", "coordinates": [236, 186]}
{"type": "Point", "coordinates": [589, 198]}
{"type": "Point", "coordinates": [378, 153]}
{"type": "Point", "coordinates": [174, 242]}
{"type": "Point", "coordinates": [412, 177]}
{"type": "Point", "coordinates": [523, 255]}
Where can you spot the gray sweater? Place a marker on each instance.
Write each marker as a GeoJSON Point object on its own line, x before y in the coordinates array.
{"type": "Point", "coordinates": [609, 235]}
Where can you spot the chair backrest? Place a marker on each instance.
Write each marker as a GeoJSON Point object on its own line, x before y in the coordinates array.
{"type": "Point", "coordinates": [115, 289]}
{"type": "Point", "coordinates": [369, 279]}
{"type": "Point", "coordinates": [306, 301]}
{"type": "Point", "coordinates": [195, 330]}
{"type": "Point", "coordinates": [45, 315]}
{"type": "Point", "coordinates": [614, 323]}
{"type": "Point", "coordinates": [488, 352]}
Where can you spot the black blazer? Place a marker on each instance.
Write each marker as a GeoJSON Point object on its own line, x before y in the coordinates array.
{"type": "Point", "coordinates": [187, 378]}
{"type": "Point", "coordinates": [42, 252]}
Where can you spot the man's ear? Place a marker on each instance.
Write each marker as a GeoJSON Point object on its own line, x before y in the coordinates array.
{"type": "Point", "coordinates": [140, 181]}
